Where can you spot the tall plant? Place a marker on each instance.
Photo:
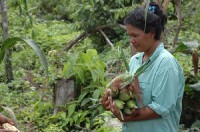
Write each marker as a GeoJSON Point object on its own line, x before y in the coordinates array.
{"type": "Point", "coordinates": [89, 73]}
{"type": "Point", "coordinates": [98, 18]}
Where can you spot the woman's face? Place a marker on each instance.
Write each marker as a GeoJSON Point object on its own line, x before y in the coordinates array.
{"type": "Point", "coordinates": [141, 41]}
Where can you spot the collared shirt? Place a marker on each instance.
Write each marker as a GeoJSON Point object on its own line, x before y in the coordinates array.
{"type": "Point", "coordinates": [162, 85]}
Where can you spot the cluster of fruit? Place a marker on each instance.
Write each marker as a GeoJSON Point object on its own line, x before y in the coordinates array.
{"type": "Point", "coordinates": [123, 98]}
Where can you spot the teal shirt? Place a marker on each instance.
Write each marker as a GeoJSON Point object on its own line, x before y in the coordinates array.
{"type": "Point", "coordinates": [162, 85]}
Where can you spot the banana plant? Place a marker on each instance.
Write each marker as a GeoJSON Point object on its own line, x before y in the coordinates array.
{"type": "Point", "coordinates": [10, 42]}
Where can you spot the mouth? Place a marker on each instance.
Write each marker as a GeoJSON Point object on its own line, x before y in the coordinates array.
{"type": "Point", "coordinates": [135, 46]}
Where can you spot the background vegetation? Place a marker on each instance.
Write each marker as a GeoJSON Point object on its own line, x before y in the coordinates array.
{"type": "Point", "coordinates": [82, 40]}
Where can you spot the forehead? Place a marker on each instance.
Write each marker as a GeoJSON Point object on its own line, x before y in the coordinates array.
{"type": "Point", "coordinates": [132, 29]}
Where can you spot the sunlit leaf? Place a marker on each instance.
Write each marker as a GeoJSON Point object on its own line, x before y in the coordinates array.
{"type": "Point", "coordinates": [195, 86]}
{"type": "Point", "coordinates": [192, 44]}
{"type": "Point", "coordinates": [180, 48]}
{"type": "Point", "coordinates": [94, 74]}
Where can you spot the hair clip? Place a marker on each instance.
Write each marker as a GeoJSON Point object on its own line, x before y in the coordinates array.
{"type": "Point", "coordinates": [152, 8]}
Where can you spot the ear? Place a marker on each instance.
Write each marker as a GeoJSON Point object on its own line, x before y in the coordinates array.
{"type": "Point", "coordinates": [152, 34]}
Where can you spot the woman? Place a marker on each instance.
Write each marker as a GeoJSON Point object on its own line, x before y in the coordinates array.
{"type": "Point", "coordinates": [162, 83]}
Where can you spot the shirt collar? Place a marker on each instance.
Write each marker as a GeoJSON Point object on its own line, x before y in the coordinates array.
{"type": "Point", "coordinates": [158, 49]}
{"type": "Point", "coordinates": [152, 57]}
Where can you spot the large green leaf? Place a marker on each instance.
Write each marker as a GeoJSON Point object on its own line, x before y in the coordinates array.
{"type": "Point", "coordinates": [82, 96]}
{"type": "Point", "coordinates": [9, 42]}
{"type": "Point", "coordinates": [71, 109]}
{"type": "Point", "coordinates": [70, 67]}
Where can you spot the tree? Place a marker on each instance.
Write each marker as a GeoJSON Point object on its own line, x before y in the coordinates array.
{"type": "Point", "coordinates": [98, 18]}
{"type": "Point", "coordinates": [8, 64]}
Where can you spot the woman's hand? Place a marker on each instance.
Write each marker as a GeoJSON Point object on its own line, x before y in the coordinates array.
{"type": "Point", "coordinates": [115, 110]}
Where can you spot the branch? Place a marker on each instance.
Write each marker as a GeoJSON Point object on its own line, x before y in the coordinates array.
{"type": "Point", "coordinates": [85, 34]}
{"type": "Point", "coordinates": [73, 42]}
{"type": "Point", "coordinates": [107, 39]}
{"type": "Point", "coordinates": [122, 26]}
{"type": "Point", "coordinates": [179, 16]}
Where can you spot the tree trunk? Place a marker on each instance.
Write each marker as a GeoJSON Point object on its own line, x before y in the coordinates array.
{"type": "Point", "coordinates": [63, 93]}
{"type": "Point", "coordinates": [73, 42]}
{"type": "Point", "coordinates": [8, 64]}
{"type": "Point", "coordinates": [179, 16]}
{"type": "Point", "coordinates": [163, 4]}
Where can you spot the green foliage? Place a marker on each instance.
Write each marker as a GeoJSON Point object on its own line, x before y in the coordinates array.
{"type": "Point", "coordinates": [107, 12]}
{"type": "Point", "coordinates": [89, 73]}
{"type": "Point", "coordinates": [10, 42]}
{"type": "Point", "coordinates": [32, 99]}
{"type": "Point", "coordinates": [48, 9]}
{"type": "Point", "coordinates": [85, 65]}
{"type": "Point", "coordinates": [191, 13]}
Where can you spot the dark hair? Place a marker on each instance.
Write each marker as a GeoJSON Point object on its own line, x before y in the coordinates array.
{"type": "Point", "coordinates": [155, 19]}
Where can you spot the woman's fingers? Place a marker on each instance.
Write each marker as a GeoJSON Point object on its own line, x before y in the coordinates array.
{"type": "Point", "coordinates": [134, 112]}
{"type": "Point", "coordinates": [131, 87]}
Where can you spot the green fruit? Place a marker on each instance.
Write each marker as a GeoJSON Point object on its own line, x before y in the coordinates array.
{"type": "Point", "coordinates": [127, 79]}
{"type": "Point", "coordinates": [114, 94]}
{"type": "Point", "coordinates": [124, 95]}
{"type": "Point", "coordinates": [119, 103]}
{"type": "Point", "coordinates": [131, 104]}
{"type": "Point", "coordinates": [127, 110]}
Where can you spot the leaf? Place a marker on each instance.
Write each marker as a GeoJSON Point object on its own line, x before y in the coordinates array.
{"type": "Point", "coordinates": [96, 94]}
{"type": "Point", "coordinates": [63, 115]}
{"type": "Point", "coordinates": [192, 44]}
{"type": "Point", "coordinates": [79, 71]}
{"type": "Point", "coordinates": [68, 69]}
{"type": "Point", "coordinates": [195, 86]}
{"type": "Point", "coordinates": [179, 48]}
{"type": "Point", "coordinates": [124, 60]}
{"type": "Point", "coordinates": [71, 109]}
{"type": "Point", "coordinates": [82, 96]}
{"type": "Point", "coordinates": [85, 101]}
{"type": "Point", "coordinates": [94, 74]}
{"type": "Point", "coordinates": [87, 58]}
{"type": "Point", "coordinates": [91, 52]}
{"type": "Point", "coordinates": [146, 10]}
{"type": "Point", "coordinates": [9, 42]}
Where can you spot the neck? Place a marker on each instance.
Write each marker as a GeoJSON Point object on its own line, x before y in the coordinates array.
{"type": "Point", "coordinates": [148, 53]}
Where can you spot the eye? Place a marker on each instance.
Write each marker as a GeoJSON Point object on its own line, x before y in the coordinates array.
{"type": "Point", "coordinates": [134, 35]}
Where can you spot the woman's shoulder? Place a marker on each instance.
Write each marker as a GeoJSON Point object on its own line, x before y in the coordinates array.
{"type": "Point", "coordinates": [166, 59]}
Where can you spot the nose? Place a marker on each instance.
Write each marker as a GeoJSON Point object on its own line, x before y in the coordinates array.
{"type": "Point", "coordinates": [132, 40]}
